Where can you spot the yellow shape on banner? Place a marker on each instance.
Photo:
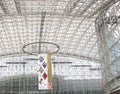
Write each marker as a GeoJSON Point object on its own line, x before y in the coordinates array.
{"type": "Point", "coordinates": [41, 70]}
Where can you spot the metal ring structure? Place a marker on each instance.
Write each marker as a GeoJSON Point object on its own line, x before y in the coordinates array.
{"type": "Point", "coordinates": [42, 42]}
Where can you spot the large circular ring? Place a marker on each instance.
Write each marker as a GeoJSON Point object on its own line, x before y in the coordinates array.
{"type": "Point", "coordinates": [42, 45]}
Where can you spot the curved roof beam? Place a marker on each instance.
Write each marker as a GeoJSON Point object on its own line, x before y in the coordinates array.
{"type": "Point", "coordinates": [59, 54]}
{"type": "Point", "coordinates": [87, 7]}
{"type": "Point", "coordinates": [103, 7]}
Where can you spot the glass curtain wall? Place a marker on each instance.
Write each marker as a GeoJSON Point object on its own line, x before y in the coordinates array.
{"type": "Point", "coordinates": [108, 29]}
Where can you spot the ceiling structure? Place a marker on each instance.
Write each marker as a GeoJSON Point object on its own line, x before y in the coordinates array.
{"type": "Point", "coordinates": [70, 24]}
{"type": "Point", "coordinates": [41, 26]}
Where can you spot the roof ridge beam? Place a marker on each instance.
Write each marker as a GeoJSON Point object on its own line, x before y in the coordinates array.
{"type": "Point", "coordinates": [4, 8]}
{"type": "Point", "coordinates": [105, 6]}
{"type": "Point", "coordinates": [88, 6]}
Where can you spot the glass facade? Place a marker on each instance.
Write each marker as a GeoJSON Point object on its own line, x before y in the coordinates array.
{"type": "Point", "coordinates": [108, 28]}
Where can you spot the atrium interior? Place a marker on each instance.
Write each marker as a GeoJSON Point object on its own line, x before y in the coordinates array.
{"type": "Point", "coordinates": [59, 46]}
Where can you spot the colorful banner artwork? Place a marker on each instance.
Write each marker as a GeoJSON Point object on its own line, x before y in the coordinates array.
{"type": "Point", "coordinates": [44, 72]}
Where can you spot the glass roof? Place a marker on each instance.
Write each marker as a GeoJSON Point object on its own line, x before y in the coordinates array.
{"type": "Point", "coordinates": [70, 24]}
{"type": "Point", "coordinates": [66, 27]}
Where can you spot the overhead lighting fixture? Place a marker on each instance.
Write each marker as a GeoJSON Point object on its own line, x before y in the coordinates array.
{"type": "Point", "coordinates": [62, 62]}
{"type": "Point", "coordinates": [80, 65]}
{"type": "Point", "coordinates": [94, 69]}
{"type": "Point", "coordinates": [3, 66]}
{"type": "Point", "coordinates": [32, 59]}
{"type": "Point", "coordinates": [16, 63]}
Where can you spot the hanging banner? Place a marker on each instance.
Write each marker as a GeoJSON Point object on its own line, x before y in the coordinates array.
{"type": "Point", "coordinates": [44, 72]}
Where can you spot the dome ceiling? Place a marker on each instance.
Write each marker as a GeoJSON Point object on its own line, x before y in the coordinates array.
{"type": "Point", "coordinates": [70, 24]}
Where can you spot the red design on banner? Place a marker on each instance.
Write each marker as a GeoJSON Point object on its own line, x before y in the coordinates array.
{"type": "Point", "coordinates": [44, 75]}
